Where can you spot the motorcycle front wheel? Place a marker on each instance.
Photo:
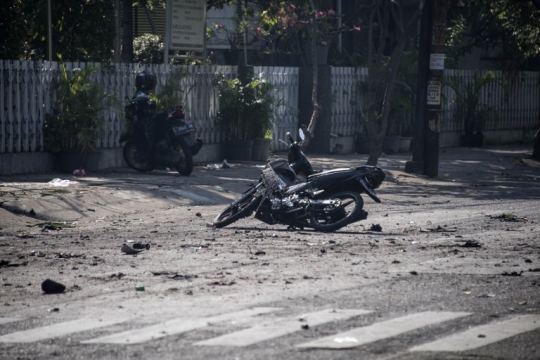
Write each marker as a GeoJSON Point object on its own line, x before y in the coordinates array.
{"type": "Point", "coordinates": [241, 208]}
{"type": "Point", "coordinates": [350, 210]}
{"type": "Point", "coordinates": [133, 159]}
{"type": "Point", "coordinates": [185, 165]}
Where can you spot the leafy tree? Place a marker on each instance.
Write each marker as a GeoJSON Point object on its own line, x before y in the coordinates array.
{"type": "Point", "coordinates": [513, 26]}
{"type": "Point", "coordinates": [15, 23]}
{"type": "Point", "coordinates": [148, 49]}
{"type": "Point", "coordinates": [383, 69]}
{"type": "Point", "coordinates": [81, 30]}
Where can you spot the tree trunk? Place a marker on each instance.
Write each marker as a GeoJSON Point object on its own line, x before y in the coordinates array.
{"type": "Point", "coordinates": [377, 118]}
{"type": "Point", "coordinates": [127, 31]}
{"type": "Point", "coordinates": [310, 130]}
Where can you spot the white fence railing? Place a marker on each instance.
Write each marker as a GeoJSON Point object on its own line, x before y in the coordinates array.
{"type": "Point", "coordinates": [26, 95]}
{"type": "Point", "coordinates": [517, 103]}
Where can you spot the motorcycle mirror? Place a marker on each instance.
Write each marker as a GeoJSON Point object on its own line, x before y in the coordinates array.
{"type": "Point", "coordinates": [291, 140]}
{"type": "Point", "coordinates": [301, 134]}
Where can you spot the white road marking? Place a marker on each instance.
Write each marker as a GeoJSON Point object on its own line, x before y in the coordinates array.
{"type": "Point", "coordinates": [9, 320]}
{"type": "Point", "coordinates": [281, 327]}
{"type": "Point", "coordinates": [173, 327]}
{"type": "Point", "coordinates": [483, 335]}
{"type": "Point", "coordinates": [378, 331]}
{"type": "Point", "coordinates": [56, 330]}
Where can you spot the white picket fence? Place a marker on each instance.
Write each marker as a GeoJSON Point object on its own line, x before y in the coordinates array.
{"type": "Point", "coordinates": [518, 106]}
{"type": "Point", "coordinates": [26, 95]}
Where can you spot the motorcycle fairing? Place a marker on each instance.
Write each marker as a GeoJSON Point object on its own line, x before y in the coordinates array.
{"type": "Point", "coordinates": [332, 177]}
{"type": "Point", "coordinates": [343, 175]}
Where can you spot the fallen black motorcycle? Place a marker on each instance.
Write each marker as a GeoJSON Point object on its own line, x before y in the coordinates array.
{"type": "Point", "coordinates": [290, 192]}
{"type": "Point", "coordinates": [163, 139]}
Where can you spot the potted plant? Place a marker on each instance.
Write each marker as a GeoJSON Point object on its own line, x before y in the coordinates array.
{"type": "Point", "coordinates": [469, 108]}
{"type": "Point", "coordinates": [247, 112]}
{"type": "Point", "coordinates": [75, 125]}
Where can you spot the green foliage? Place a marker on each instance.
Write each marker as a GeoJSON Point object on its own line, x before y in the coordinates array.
{"type": "Point", "coordinates": [509, 25]}
{"type": "Point", "coordinates": [171, 93]}
{"type": "Point", "coordinates": [148, 49]}
{"type": "Point", "coordinates": [470, 109]}
{"type": "Point", "coordinates": [402, 105]}
{"type": "Point", "coordinates": [81, 30]}
{"type": "Point", "coordinates": [76, 122]}
{"type": "Point", "coordinates": [15, 23]}
{"type": "Point", "coordinates": [247, 111]}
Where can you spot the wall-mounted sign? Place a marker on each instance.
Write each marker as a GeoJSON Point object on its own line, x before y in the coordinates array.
{"type": "Point", "coordinates": [434, 93]}
{"type": "Point", "coordinates": [188, 25]}
{"type": "Point", "coordinates": [436, 61]}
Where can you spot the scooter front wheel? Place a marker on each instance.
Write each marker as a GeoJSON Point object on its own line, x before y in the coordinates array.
{"type": "Point", "coordinates": [350, 210]}
{"type": "Point", "coordinates": [133, 159]}
{"type": "Point", "coordinates": [241, 208]}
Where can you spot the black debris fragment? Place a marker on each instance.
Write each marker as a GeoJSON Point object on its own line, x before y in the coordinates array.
{"type": "Point", "coordinates": [141, 246]}
{"type": "Point", "coordinates": [513, 273]}
{"type": "Point", "coordinates": [52, 287]}
{"type": "Point", "coordinates": [472, 244]}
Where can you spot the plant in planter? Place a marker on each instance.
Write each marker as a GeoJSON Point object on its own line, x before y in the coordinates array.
{"type": "Point", "coordinates": [246, 111]}
{"type": "Point", "coordinates": [171, 93]}
{"type": "Point", "coordinates": [469, 108]}
{"type": "Point", "coordinates": [402, 104]}
{"type": "Point", "coordinates": [75, 124]}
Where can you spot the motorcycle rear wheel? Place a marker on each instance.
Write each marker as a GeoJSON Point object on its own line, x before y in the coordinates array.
{"type": "Point", "coordinates": [244, 208]}
{"type": "Point", "coordinates": [185, 165]}
{"type": "Point", "coordinates": [350, 211]}
{"type": "Point", "coordinates": [130, 157]}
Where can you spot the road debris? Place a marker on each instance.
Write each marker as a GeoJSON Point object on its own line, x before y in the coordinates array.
{"type": "Point", "coordinates": [508, 217]}
{"type": "Point", "coordinates": [375, 227]}
{"type": "Point", "coordinates": [141, 246]}
{"type": "Point", "coordinates": [439, 229]}
{"type": "Point", "coordinates": [128, 250]}
{"type": "Point", "coordinates": [513, 273]}
{"type": "Point", "coordinates": [52, 287]}
{"type": "Point", "coordinates": [471, 244]}
{"type": "Point", "coordinates": [61, 183]}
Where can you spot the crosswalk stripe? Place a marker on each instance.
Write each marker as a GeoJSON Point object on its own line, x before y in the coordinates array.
{"type": "Point", "coordinates": [56, 330]}
{"type": "Point", "coordinates": [281, 327]}
{"type": "Point", "coordinates": [175, 326]}
{"type": "Point", "coordinates": [9, 320]}
{"type": "Point", "coordinates": [378, 331]}
{"type": "Point", "coordinates": [483, 335]}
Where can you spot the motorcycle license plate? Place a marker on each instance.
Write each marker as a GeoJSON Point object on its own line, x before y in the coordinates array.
{"type": "Point", "coordinates": [184, 129]}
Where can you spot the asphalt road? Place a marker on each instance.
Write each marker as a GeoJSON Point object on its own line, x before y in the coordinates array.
{"type": "Point", "coordinates": [454, 273]}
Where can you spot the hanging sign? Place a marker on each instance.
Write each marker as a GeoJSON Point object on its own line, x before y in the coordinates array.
{"type": "Point", "coordinates": [434, 93]}
{"type": "Point", "coordinates": [188, 25]}
{"type": "Point", "coordinates": [436, 61]}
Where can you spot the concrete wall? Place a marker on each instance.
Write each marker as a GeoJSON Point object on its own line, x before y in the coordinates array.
{"type": "Point", "coordinates": [41, 162]}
